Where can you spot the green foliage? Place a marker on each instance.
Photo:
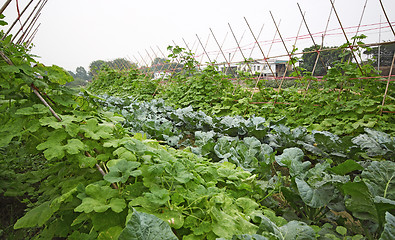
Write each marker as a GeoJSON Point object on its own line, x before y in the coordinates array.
{"type": "Point", "coordinates": [233, 178]}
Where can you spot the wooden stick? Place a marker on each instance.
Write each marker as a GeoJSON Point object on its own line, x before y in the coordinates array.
{"type": "Point", "coordinates": [312, 38]}
{"type": "Point", "coordinates": [5, 6]}
{"type": "Point", "coordinates": [34, 20]}
{"type": "Point", "coordinates": [16, 20]}
{"type": "Point", "coordinates": [386, 16]}
{"type": "Point", "coordinates": [345, 35]}
{"type": "Point", "coordinates": [388, 83]}
{"type": "Point", "coordinates": [27, 20]}
{"type": "Point", "coordinates": [260, 48]}
{"type": "Point", "coordinates": [220, 48]}
{"type": "Point", "coordinates": [28, 30]}
{"type": "Point", "coordinates": [359, 26]}
{"type": "Point", "coordinates": [285, 46]}
{"type": "Point", "coordinates": [255, 43]}
{"type": "Point", "coordinates": [241, 51]}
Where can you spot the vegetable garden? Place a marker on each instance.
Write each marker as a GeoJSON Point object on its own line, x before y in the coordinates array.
{"type": "Point", "coordinates": [194, 156]}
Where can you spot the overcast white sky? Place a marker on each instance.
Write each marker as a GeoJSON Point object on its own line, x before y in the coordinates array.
{"type": "Point", "coordinates": [76, 32]}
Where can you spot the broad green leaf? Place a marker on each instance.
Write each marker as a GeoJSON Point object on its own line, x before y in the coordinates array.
{"type": "Point", "coordinates": [292, 158]}
{"type": "Point", "coordinates": [375, 143]}
{"type": "Point", "coordinates": [158, 196]}
{"type": "Point", "coordinates": [380, 179]}
{"type": "Point", "coordinates": [223, 146]}
{"type": "Point", "coordinates": [174, 218]}
{"type": "Point", "coordinates": [389, 227]}
{"type": "Point", "coordinates": [96, 131]}
{"type": "Point", "coordinates": [74, 146]}
{"type": "Point", "coordinates": [227, 224]}
{"type": "Point", "coordinates": [297, 230]}
{"type": "Point", "coordinates": [117, 204]}
{"type": "Point", "coordinates": [248, 205]}
{"type": "Point", "coordinates": [315, 197]}
{"type": "Point", "coordinates": [125, 154]}
{"type": "Point", "coordinates": [90, 204]}
{"type": "Point", "coordinates": [53, 146]}
{"type": "Point", "coordinates": [35, 217]}
{"type": "Point", "coordinates": [290, 231]}
{"type": "Point", "coordinates": [360, 202]}
{"type": "Point", "coordinates": [86, 162]}
{"type": "Point", "coordinates": [97, 199]}
{"type": "Point", "coordinates": [35, 109]}
{"type": "Point", "coordinates": [246, 152]}
{"type": "Point", "coordinates": [143, 226]}
{"type": "Point", "coordinates": [346, 167]}
{"type": "Point", "coordinates": [121, 170]}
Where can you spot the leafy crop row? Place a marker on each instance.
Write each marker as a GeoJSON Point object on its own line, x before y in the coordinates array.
{"type": "Point", "coordinates": [345, 102]}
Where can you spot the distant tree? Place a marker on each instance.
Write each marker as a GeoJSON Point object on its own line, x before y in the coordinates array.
{"type": "Point", "coordinates": [120, 64]}
{"type": "Point", "coordinates": [95, 66]}
{"type": "Point", "coordinates": [386, 54]}
{"type": "Point", "coordinates": [71, 73]}
{"type": "Point", "coordinates": [327, 59]}
{"type": "Point", "coordinates": [81, 73]}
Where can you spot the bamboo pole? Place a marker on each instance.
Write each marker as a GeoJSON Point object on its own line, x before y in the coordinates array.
{"type": "Point", "coordinates": [260, 48]}
{"type": "Point", "coordinates": [388, 83]}
{"type": "Point", "coordinates": [386, 16]}
{"type": "Point", "coordinates": [27, 20]}
{"type": "Point", "coordinates": [312, 38]}
{"type": "Point", "coordinates": [359, 26]}
{"type": "Point", "coordinates": [393, 58]}
{"type": "Point", "coordinates": [234, 53]}
{"type": "Point", "coordinates": [286, 49]}
{"type": "Point", "coordinates": [220, 48]}
{"type": "Point", "coordinates": [5, 6]}
{"type": "Point", "coordinates": [28, 30]}
{"type": "Point", "coordinates": [241, 51]}
{"type": "Point", "coordinates": [32, 23]}
{"type": "Point", "coordinates": [222, 45]}
{"type": "Point", "coordinates": [30, 39]}
{"type": "Point", "coordinates": [255, 43]}
{"type": "Point", "coordinates": [345, 35]}
{"type": "Point", "coordinates": [268, 53]}
{"type": "Point", "coordinates": [16, 20]}
{"type": "Point", "coordinates": [189, 49]}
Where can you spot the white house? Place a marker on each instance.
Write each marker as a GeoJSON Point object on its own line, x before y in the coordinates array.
{"type": "Point", "coordinates": [257, 67]}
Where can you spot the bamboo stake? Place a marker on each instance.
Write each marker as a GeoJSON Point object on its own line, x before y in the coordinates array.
{"type": "Point", "coordinates": [234, 53]}
{"type": "Point", "coordinates": [189, 49]}
{"type": "Point", "coordinates": [312, 38]}
{"type": "Point", "coordinates": [345, 35]}
{"type": "Point", "coordinates": [268, 53]}
{"type": "Point", "coordinates": [178, 60]}
{"type": "Point", "coordinates": [393, 58]}
{"type": "Point", "coordinates": [386, 16]}
{"type": "Point", "coordinates": [220, 48]}
{"type": "Point", "coordinates": [255, 43]}
{"type": "Point", "coordinates": [260, 48]}
{"type": "Point", "coordinates": [222, 45]}
{"type": "Point", "coordinates": [27, 20]}
{"type": "Point", "coordinates": [359, 26]}
{"type": "Point", "coordinates": [204, 49]}
{"type": "Point", "coordinates": [286, 49]}
{"type": "Point", "coordinates": [238, 46]}
{"type": "Point", "coordinates": [16, 20]}
{"type": "Point", "coordinates": [5, 6]}
{"type": "Point", "coordinates": [28, 30]}
{"type": "Point", "coordinates": [30, 40]}
{"type": "Point", "coordinates": [321, 49]}
{"type": "Point", "coordinates": [388, 83]}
